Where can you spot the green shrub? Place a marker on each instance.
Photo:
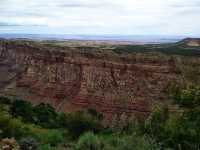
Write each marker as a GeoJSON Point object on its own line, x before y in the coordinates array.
{"type": "Point", "coordinates": [22, 109]}
{"type": "Point", "coordinates": [62, 120]}
{"type": "Point", "coordinates": [177, 131]}
{"type": "Point", "coordinates": [46, 147]}
{"type": "Point", "coordinates": [45, 116]}
{"type": "Point", "coordinates": [125, 124]}
{"type": "Point", "coordinates": [186, 97]}
{"type": "Point", "coordinates": [130, 142]}
{"type": "Point", "coordinates": [182, 133]}
{"type": "Point", "coordinates": [154, 125]}
{"type": "Point", "coordinates": [42, 114]}
{"type": "Point", "coordinates": [12, 127]}
{"type": "Point", "coordinates": [77, 123]}
{"type": "Point", "coordinates": [95, 114]}
{"type": "Point", "coordinates": [89, 141]}
{"type": "Point", "coordinates": [28, 143]}
{"type": "Point", "coordinates": [52, 137]}
{"type": "Point", "coordinates": [5, 100]}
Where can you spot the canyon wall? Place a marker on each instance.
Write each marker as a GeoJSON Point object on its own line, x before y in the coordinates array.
{"type": "Point", "coordinates": [70, 80]}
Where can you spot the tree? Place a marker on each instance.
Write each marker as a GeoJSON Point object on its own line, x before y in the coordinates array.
{"type": "Point", "coordinates": [22, 109]}
{"type": "Point", "coordinates": [155, 123]}
{"type": "Point", "coordinates": [45, 115]}
{"type": "Point", "coordinates": [80, 122]}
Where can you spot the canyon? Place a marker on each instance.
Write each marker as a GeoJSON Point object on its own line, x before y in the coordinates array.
{"type": "Point", "coordinates": [74, 78]}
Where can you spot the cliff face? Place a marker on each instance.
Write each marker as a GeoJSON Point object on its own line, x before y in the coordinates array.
{"type": "Point", "coordinates": [71, 80]}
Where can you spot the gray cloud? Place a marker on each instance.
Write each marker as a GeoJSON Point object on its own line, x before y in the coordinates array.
{"type": "Point", "coordinates": [3, 24]}
{"type": "Point", "coordinates": [87, 4]}
{"type": "Point", "coordinates": [79, 5]}
{"type": "Point", "coordinates": [185, 4]}
{"type": "Point", "coordinates": [101, 16]}
{"type": "Point", "coordinates": [7, 24]}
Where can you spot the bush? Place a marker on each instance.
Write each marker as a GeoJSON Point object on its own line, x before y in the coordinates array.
{"type": "Point", "coordinates": [125, 124]}
{"type": "Point", "coordinates": [62, 120]}
{"type": "Point", "coordinates": [52, 137]}
{"type": "Point", "coordinates": [89, 141]}
{"type": "Point", "coordinates": [12, 127]}
{"type": "Point", "coordinates": [46, 147]}
{"type": "Point", "coordinates": [95, 114]}
{"type": "Point", "coordinates": [5, 100]}
{"type": "Point", "coordinates": [42, 114]}
{"type": "Point", "coordinates": [28, 143]}
{"type": "Point", "coordinates": [186, 97]}
{"type": "Point", "coordinates": [77, 123]}
{"type": "Point", "coordinates": [45, 116]}
{"type": "Point", "coordinates": [130, 142]}
{"type": "Point", "coordinates": [182, 133]}
{"type": "Point", "coordinates": [179, 131]}
{"type": "Point", "coordinates": [22, 109]}
{"type": "Point", "coordinates": [154, 125]}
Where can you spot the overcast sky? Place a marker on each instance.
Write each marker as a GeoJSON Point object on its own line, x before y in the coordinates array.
{"type": "Point", "coordinates": [136, 17]}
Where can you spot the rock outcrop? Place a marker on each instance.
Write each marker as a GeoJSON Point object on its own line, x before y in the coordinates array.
{"type": "Point", "coordinates": [70, 79]}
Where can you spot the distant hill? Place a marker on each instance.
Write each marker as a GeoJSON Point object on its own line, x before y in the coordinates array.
{"type": "Point", "coordinates": [192, 42]}
{"type": "Point", "coordinates": [147, 39]}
